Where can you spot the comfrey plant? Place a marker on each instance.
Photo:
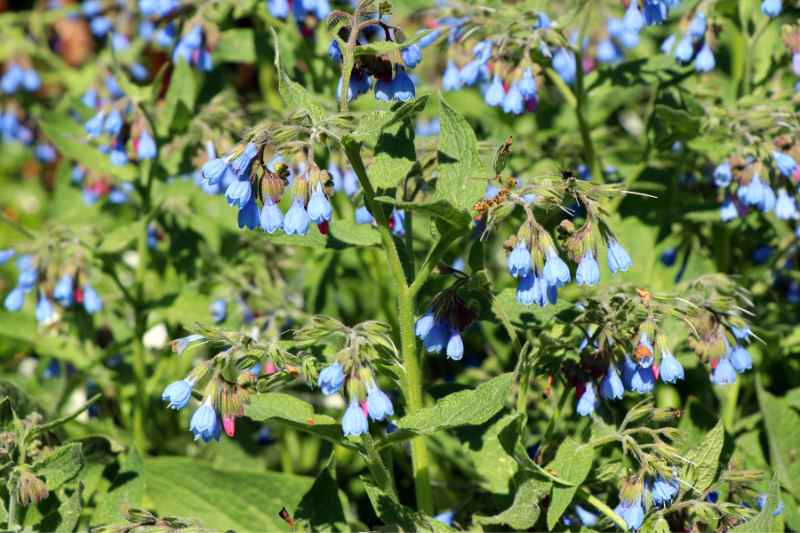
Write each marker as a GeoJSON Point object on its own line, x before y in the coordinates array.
{"type": "Point", "coordinates": [420, 330]}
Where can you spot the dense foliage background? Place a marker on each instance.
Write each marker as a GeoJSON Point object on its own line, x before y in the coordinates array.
{"type": "Point", "coordinates": [215, 271]}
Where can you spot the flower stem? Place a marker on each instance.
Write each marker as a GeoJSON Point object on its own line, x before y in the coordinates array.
{"type": "Point", "coordinates": [603, 508]}
{"type": "Point", "coordinates": [412, 382]}
{"type": "Point", "coordinates": [583, 123]}
{"type": "Point", "coordinates": [12, 505]}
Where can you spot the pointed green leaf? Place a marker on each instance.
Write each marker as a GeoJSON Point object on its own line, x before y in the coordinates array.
{"type": "Point", "coordinates": [294, 95]}
{"type": "Point", "coordinates": [524, 511]}
{"type": "Point", "coordinates": [572, 463]}
{"type": "Point", "coordinates": [782, 424]}
{"type": "Point", "coordinates": [702, 462]}
{"type": "Point", "coordinates": [60, 466]}
{"type": "Point", "coordinates": [395, 514]}
{"type": "Point", "coordinates": [294, 412]}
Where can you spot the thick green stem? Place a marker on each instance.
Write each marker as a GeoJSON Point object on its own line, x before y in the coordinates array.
{"type": "Point", "coordinates": [412, 382]}
{"type": "Point", "coordinates": [522, 394]}
{"type": "Point", "coordinates": [12, 506]}
{"type": "Point", "coordinates": [583, 123]}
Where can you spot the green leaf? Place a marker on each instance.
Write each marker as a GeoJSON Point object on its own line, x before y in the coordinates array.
{"type": "Point", "coordinates": [371, 123]}
{"type": "Point", "coordinates": [470, 407]}
{"type": "Point", "coordinates": [222, 500]}
{"type": "Point", "coordinates": [702, 462]}
{"type": "Point", "coordinates": [524, 511]}
{"type": "Point", "coordinates": [294, 412]}
{"type": "Point", "coordinates": [236, 45]}
{"type": "Point", "coordinates": [764, 521]}
{"type": "Point", "coordinates": [488, 447]}
{"type": "Point", "coordinates": [462, 175]}
{"type": "Point", "coordinates": [395, 156]}
{"type": "Point", "coordinates": [323, 505]}
{"type": "Point", "coordinates": [438, 209]}
{"type": "Point", "coordinates": [782, 424]}
{"type": "Point", "coordinates": [119, 238]}
{"type": "Point", "coordinates": [294, 95]}
{"type": "Point", "coordinates": [70, 139]}
{"type": "Point", "coordinates": [395, 514]}
{"type": "Point", "coordinates": [180, 98]}
{"type": "Point", "coordinates": [12, 398]}
{"type": "Point", "coordinates": [572, 463]}
{"type": "Point", "coordinates": [60, 466]}
{"type": "Point", "coordinates": [127, 491]}
{"type": "Point", "coordinates": [66, 518]}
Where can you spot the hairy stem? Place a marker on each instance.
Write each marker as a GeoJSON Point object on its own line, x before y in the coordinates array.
{"type": "Point", "coordinates": [412, 382]}
{"type": "Point", "coordinates": [583, 123]}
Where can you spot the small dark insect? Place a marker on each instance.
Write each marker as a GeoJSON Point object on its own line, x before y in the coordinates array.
{"type": "Point", "coordinates": [286, 517]}
{"type": "Point", "coordinates": [567, 174]}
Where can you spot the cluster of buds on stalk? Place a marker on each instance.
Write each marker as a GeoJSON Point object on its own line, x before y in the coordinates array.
{"type": "Point", "coordinates": [361, 351]}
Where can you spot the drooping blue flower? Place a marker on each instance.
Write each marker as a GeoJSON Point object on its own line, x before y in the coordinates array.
{"type": "Point", "coordinates": [147, 147]}
{"type": "Point", "coordinates": [771, 8]}
{"type": "Point", "coordinates": [180, 345]}
{"type": "Point", "coordinates": [219, 310]}
{"type": "Point", "coordinates": [697, 26]}
{"type": "Point", "coordinates": [397, 221]}
{"type": "Point", "coordinates": [785, 206]}
{"type": "Point", "coordinates": [723, 175]}
{"type": "Point", "coordinates": [533, 289]}
{"type": "Point", "coordinates": [248, 216]}
{"type": "Point", "coordinates": [785, 163]}
{"type": "Point", "coordinates": [319, 207]}
{"type": "Point", "coordinates": [470, 73]}
{"type": "Point", "coordinates": [705, 61]}
{"type": "Point", "coordinates": [94, 126]}
{"type": "Point", "coordinates": [588, 272]}
{"type": "Point", "coordinates": [685, 50]}
{"type": "Point", "coordinates": [178, 394]}
{"type": "Point", "coordinates": [608, 53]}
{"type": "Point", "coordinates": [91, 300]}
{"type": "Point", "coordinates": [14, 299]}
{"type": "Point", "coordinates": [30, 80]}
{"type": "Point", "coordinates": [401, 88]}
{"type": "Point", "coordinates": [632, 512]}
{"type": "Point", "coordinates": [513, 102]}
{"type": "Point", "coordinates": [618, 258]}
{"type": "Point", "coordinates": [379, 406]}
{"type": "Point", "coordinates": [424, 324]}
{"type": "Point", "coordinates": [238, 193]}
{"type": "Point", "coordinates": [242, 164]}
{"type": "Point", "coordinates": [113, 123]}
{"type": "Point", "coordinates": [44, 309]}
{"type": "Point", "coordinates": [633, 20]}
{"type": "Point", "coordinates": [527, 84]}
{"type": "Point", "coordinates": [556, 272]}
{"type": "Point", "coordinates": [354, 421]}
{"type": "Point", "coordinates": [728, 210]}
{"type": "Point", "coordinates": [564, 65]}
{"type": "Point", "coordinates": [334, 52]}
{"type": "Point", "coordinates": [495, 94]}
{"type": "Point", "coordinates": [611, 388]}
{"type": "Point", "coordinates": [91, 8]}
{"type": "Point", "coordinates": [63, 292]}
{"type": "Point", "coordinates": [363, 216]}
{"type": "Point", "coordinates": [436, 338]}
{"type": "Point", "coordinates": [213, 170]}
{"type": "Point", "coordinates": [664, 490]}
{"type": "Point", "coordinates": [742, 333]}
{"type": "Point", "coordinates": [655, 12]}
{"type": "Point", "coordinates": [12, 79]}
{"type": "Point", "coordinates": [671, 369]}
{"type": "Point", "coordinates": [586, 517]}
{"type": "Point", "coordinates": [331, 379]}
{"type": "Point", "coordinates": [278, 8]}
{"type": "Point", "coordinates": [724, 373]}
{"type": "Point", "coordinates": [740, 359]}
{"type": "Point", "coordinates": [205, 423]}
{"type": "Point", "coordinates": [350, 183]}
{"type": "Point", "coordinates": [588, 400]}
{"type": "Point", "coordinates": [455, 345]}
{"type": "Point", "coordinates": [451, 79]}
{"type": "Point", "coordinates": [412, 55]}
{"type": "Point", "coordinates": [271, 218]}
{"type": "Point", "coordinates": [296, 221]}
{"type": "Point", "coordinates": [519, 260]}
{"type": "Point", "coordinates": [445, 517]}
{"type": "Point", "coordinates": [119, 156]}
{"type": "Point", "coordinates": [643, 380]}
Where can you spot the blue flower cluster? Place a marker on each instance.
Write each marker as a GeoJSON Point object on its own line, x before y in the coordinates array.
{"type": "Point", "coordinates": [19, 78]}
{"type": "Point", "coordinates": [310, 202]}
{"type": "Point", "coordinates": [658, 491]}
{"type": "Point", "coordinates": [67, 291]}
{"type": "Point", "coordinates": [439, 333]}
{"type": "Point", "coordinates": [363, 405]}
{"type": "Point", "coordinates": [736, 359]}
{"type": "Point", "coordinates": [693, 46]}
{"type": "Point", "coordinates": [744, 187]}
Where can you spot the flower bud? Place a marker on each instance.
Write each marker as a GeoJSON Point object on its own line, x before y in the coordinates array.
{"type": "Point", "coordinates": [31, 489]}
